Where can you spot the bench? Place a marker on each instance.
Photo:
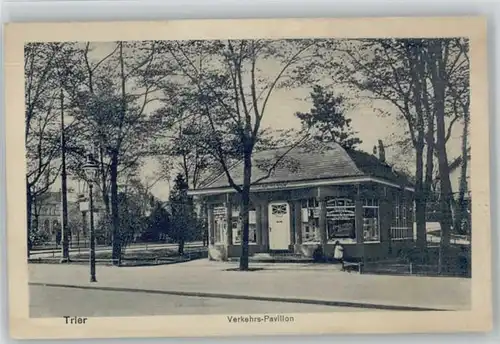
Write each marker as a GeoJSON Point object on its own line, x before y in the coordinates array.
{"type": "Point", "coordinates": [353, 265]}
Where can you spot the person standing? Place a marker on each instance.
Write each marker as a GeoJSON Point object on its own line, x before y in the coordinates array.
{"type": "Point", "coordinates": [338, 254]}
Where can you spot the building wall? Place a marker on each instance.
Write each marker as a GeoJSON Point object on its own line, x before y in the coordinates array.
{"type": "Point", "coordinates": [47, 217]}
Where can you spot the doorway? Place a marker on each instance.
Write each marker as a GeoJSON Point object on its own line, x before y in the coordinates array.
{"type": "Point", "coordinates": [279, 226]}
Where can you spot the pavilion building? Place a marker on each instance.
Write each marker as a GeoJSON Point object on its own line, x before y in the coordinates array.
{"type": "Point", "coordinates": [311, 198]}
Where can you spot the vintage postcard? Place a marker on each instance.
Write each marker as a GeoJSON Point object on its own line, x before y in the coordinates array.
{"type": "Point", "coordinates": [248, 177]}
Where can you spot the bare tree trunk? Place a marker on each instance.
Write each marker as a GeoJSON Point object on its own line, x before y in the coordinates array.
{"type": "Point", "coordinates": [115, 216]}
{"type": "Point", "coordinates": [420, 200]}
{"type": "Point", "coordinates": [181, 246]}
{"type": "Point", "coordinates": [244, 212]}
{"type": "Point", "coordinates": [428, 178]}
{"type": "Point", "coordinates": [105, 195]}
{"type": "Point", "coordinates": [462, 207]}
{"type": "Point", "coordinates": [64, 189]}
{"type": "Point", "coordinates": [437, 66]}
{"type": "Point", "coordinates": [29, 211]}
{"type": "Point", "coordinates": [418, 79]}
{"type": "Point", "coordinates": [35, 216]}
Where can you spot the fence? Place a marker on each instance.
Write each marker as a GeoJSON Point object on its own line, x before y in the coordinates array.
{"type": "Point", "coordinates": [147, 256]}
{"type": "Point", "coordinates": [401, 233]}
{"type": "Point", "coordinates": [400, 266]}
{"type": "Point", "coordinates": [433, 209]}
{"type": "Point", "coordinates": [454, 240]}
{"type": "Point", "coordinates": [84, 246]}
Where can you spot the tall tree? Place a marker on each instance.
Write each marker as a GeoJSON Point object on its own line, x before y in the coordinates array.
{"type": "Point", "coordinates": [46, 79]}
{"type": "Point", "coordinates": [390, 70]}
{"type": "Point", "coordinates": [459, 92]}
{"type": "Point", "coordinates": [194, 160]}
{"type": "Point", "coordinates": [401, 72]}
{"type": "Point", "coordinates": [159, 223]}
{"type": "Point", "coordinates": [327, 119]}
{"type": "Point", "coordinates": [181, 145]}
{"type": "Point", "coordinates": [133, 220]}
{"type": "Point", "coordinates": [444, 58]}
{"type": "Point", "coordinates": [183, 219]}
{"type": "Point", "coordinates": [114, 103]}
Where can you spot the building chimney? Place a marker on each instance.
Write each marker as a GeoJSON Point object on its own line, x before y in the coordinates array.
{"type": "Point", "coordinates": [375, 150]}
{"type": "Point", "coordinates": [381, 151]}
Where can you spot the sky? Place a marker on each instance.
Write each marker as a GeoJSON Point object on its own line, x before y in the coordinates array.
{"type": "Point", "coordinates": [280, 111]}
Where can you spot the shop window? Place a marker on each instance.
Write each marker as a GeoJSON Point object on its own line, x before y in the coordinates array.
{"type": "Point", "coordinates": [371, 222]}
{"type": "Point", "coordinates": [307, 233]}
{"type": "Point", "coordinates": [340, 218]}
{"type": "Point", "coordinates": [310, 220]}
{"type": "Point", "coordinates": [220, 231]}
{"type": "Point", "coordinates": [252, 233]}
{"type": "Point", "coordinates": [46, 226]}
{"type": "Point", "coordinates": [219, 214]}
{"type": "Point", "coordinates": [237, 228]}
{"type": "Point", "coordinates": [311, 203]}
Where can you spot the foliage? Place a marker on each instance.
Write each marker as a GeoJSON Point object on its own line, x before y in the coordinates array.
{"type": "Point", "coordinates": [112, 103]}
{"type": "Point", "coordinates": [318, 254]}
{"type": "Point", "coordinates": [38, 236]}
{"type": "Point", "coordinates": [228, 88]}
{"type": "Point", "coordinates": [101, 230]}
{"type": "Point", "coordinates": [158, 224]}
{"type": "Point", "coordinates": [327, 119]}
{"type": "Point", "coordinates": [46, 75]}
{"type": "Point", "coordinates": [132, 219]}
{"type": "Point", "coordinates": [210, 100]}
{"type": "Point", "coordinates": [182, 148]}
{"type": "Point", "coordinates": [420, 78]}
{"type": "Point", "coordinates": [75, 221]}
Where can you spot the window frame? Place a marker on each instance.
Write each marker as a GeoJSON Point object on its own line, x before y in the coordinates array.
{"type": "Point", "coordinates": [402, 219]}
{"type": "Point", "coordinates": [375, 204]}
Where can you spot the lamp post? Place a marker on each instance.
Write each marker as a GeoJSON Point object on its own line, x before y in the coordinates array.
{"type": "Point", "coordinates": [90, 168]}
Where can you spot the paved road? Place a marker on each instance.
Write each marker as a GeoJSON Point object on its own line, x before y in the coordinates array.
{"type": "Point", "coordinates": [59, 302]}
{"type": "Point", "coordinates": [53, 253]}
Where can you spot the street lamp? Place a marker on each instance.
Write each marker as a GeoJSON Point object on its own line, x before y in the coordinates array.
{"type": "Point", "coordinates": [90, 168]}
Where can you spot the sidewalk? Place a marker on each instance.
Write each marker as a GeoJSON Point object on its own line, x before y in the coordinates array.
{"type": "Point", "coordinates": [275, 282]}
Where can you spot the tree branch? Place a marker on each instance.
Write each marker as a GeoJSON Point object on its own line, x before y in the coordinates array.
{"type": "Point", "coordinates": [276, 163]}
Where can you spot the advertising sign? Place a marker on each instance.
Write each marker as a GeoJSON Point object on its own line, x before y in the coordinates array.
{"type": "Point", "coordinates": [219, 211]}
{"type": "Point", "coordinates": [340, 214]}
{"type": "Point", "coordinates": [84, 206]}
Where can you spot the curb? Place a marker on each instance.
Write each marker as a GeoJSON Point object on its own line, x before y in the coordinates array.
{"type": "Point", "coordinates": [245, 297]}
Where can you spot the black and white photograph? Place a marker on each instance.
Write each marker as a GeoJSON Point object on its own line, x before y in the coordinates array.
{"type": "Point", "coordinates": [255, 179]}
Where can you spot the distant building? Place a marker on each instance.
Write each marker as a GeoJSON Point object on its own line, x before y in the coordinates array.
{"type": "Point", "coordinates": [47, 215]}
{"type": "Point", "coordinates": [313, 198]}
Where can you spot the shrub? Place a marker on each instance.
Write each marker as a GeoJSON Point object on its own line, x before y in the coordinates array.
{"type": "Point", "coordinates": [38, 237]}
{"type": "Point", "coordinates": [414, 255]}
{"type": "Point", "coordinates": [318, 255]}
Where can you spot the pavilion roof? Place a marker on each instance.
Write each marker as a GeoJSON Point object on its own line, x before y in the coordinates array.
{"type": "Point", "coordinates": [304, 164]}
